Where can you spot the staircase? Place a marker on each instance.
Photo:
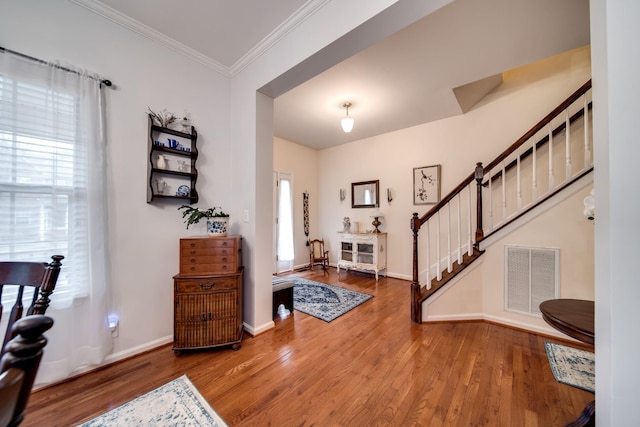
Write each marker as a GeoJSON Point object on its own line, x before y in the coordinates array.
{"type": "Point", "coordinates": [547, 159]}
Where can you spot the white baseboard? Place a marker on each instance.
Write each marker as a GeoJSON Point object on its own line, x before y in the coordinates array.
{"type": "Point", "coordinates": [115, 357]}
{"type": "Point", "coordinates": [499, 320]}
{"type": "Point", "coordinates": [259, 329]}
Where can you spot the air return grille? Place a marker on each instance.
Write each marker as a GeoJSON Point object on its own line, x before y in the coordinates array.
{"type": "Point", "coordinates": [531, 276]}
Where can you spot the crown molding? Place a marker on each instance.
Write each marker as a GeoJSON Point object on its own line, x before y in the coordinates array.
{"type": "Point", "coordinates": [148, 32]}
{"type": "Point", "coordinates": [290, 24]}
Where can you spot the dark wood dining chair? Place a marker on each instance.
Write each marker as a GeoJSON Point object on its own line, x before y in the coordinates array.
{"type": "Point", "coordinates": [19, 366]}
{"type": "Point", "coordinates": [317, 254]}
{"type": "Point", "coordinates": [37, 277]}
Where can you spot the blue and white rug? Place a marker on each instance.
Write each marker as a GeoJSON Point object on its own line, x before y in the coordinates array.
{"type": "Point", "coordinates": [324, 301]}
{"type": "Point", "coordinates": [572, 366]}
{"type": "Point", "coordinates": [177, 403]}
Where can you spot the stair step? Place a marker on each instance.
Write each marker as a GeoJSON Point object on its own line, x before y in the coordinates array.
{"type": "Point", "coordinates": [447, 276]}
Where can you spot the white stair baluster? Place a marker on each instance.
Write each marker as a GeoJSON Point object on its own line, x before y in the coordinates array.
{"type": "Point", "coordinates": [567, 132]}
{"type": "Point", "coordinates": [534, 173]}
{"type": "Point", "coordinates": [490, 225]}
{"type": "Point", "coordinates": [438, 230]}
{"type": "Point", "coordinates": [518, 186]}
{"type": "Point", "coordinates": [458, 198]}
{"type": "Point", "coordinates": [587, 147]}
{"type": "Point", "coordinates": [449, 260]}
{"type": "Point", "coordinates": [428, 223]}
{"type": "Point", "coordinates": [551, 180]}
{"type": "Point", "coordinates": [470, 217]}
{"type": "Point", "coordinates": [504, 193]}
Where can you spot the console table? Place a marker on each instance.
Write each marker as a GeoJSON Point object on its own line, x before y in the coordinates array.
{"type": "Point", "coordinates": [575, 318]}
{"type": "Point", "coordinates": [363, 251]}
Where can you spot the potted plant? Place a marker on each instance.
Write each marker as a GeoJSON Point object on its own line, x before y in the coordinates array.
{"type": "Point", "coordinates": [217, 219]}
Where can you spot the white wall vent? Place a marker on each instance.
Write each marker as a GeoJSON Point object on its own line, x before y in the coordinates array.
{"type": "Point", "coordinates": [531, 277]}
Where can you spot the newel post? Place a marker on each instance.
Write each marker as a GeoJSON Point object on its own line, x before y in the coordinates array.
{"type": "Point", "coordinates": [416, 304]}
{"type": "Point", "coordinates": [479, 176]}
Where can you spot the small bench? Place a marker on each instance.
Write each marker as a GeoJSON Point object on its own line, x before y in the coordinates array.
{"type": "Point", "coordinates": [282, 293]}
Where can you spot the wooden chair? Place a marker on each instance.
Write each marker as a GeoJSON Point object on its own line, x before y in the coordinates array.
{"type": "Point", "coordinates": [19, 366]}
{"type": "Point", "coordinates": [40, 277]}
{"type": "Point", "coordinates": [317, 254]}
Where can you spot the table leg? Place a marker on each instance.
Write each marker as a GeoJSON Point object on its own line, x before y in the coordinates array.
{"type": "Point", "coordinates": [587, 418]}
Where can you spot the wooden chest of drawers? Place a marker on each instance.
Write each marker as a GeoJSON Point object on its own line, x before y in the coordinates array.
{"type": "Point", "coordinates": [210, 255]}
{"type": "Point", "coordinates": [208, 294]}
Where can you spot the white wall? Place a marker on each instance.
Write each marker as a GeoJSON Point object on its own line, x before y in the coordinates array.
{"type": "Point", "coordinates": [302, 162]}
{"type": "Point", "coordinates": [616, 59]}
{"type": "Point", "coordinates": [143, 237]}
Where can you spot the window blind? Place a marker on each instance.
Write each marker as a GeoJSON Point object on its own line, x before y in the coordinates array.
{"type": "Point", "coordinates": [43, 181]}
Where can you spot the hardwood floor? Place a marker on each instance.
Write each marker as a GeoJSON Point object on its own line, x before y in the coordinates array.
{"type": "Point", "coordinates": [372, 366]}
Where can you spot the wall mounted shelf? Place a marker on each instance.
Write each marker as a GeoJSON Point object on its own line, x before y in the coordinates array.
{"type": "Point", "coordinates": [171, 172]}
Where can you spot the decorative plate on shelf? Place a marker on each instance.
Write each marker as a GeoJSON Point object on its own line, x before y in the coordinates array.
{"type": "Point", "coordinates": [183, 190]}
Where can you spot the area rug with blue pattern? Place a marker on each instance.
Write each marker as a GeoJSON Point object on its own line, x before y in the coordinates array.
{"type": "Point", "coordinates": [177, 403]}
{"type": "Point", "coordinates": [572, 366]}
{"type": "Point", "coordinates": [326, 302]}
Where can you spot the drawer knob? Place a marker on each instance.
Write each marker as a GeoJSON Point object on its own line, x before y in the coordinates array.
{"type": "Point", "coordinates": [192, 260]}
{"type": "Point", "coordinates": [224, 243]}
{"type": "Point", "coordinates": [206, 286]}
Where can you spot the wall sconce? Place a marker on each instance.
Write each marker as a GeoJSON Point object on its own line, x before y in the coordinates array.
{"type": "Point", "coordinates": [342, 195]}
{"type": "Point", "coordinates": [389, 195]}
{"type": "Point", "coordinates": [347, 122]}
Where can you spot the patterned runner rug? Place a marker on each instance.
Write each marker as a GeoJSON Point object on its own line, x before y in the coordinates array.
{"type": "Point", "coordinates": [324, 301]}
{"type": "Point", "coordinates": [177, 403]}
{"type": "Point", "coordinates": [572, 366]}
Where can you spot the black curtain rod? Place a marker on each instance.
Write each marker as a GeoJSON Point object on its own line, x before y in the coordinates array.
{"type": "Point", "coordinates": [105, 82]}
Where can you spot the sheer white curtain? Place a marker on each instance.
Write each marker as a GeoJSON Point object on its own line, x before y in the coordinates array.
{"type": "Point", "coordinates": [53, 201]}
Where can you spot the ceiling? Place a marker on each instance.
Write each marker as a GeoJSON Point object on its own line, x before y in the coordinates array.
{"type": "Point", "coordinates": [438, 67]}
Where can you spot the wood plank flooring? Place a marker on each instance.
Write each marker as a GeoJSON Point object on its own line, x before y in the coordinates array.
{"type": "Point", "coordinates": [369, 367]}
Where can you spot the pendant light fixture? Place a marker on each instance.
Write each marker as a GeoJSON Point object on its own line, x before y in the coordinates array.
{"type": "Point", "coordinates": [347, 122]}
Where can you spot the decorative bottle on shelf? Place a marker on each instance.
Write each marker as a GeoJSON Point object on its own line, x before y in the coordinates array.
{"type": "Point", "coordinates": [162, 162]}
{"type": "Point", "coordinates": [161, 186]}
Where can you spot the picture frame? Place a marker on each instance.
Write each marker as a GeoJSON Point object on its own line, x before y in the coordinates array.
{"type": "Point", "coordinates": [426, 185]}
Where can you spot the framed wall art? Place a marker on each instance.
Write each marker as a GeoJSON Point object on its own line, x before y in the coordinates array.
{"type": "Point", "coordinates": [426, 185]}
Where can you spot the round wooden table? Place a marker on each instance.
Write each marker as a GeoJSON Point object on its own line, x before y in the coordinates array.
{"type": "Point", "coordinates": [574, 317]}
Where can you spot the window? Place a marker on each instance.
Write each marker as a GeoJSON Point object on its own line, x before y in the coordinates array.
{"type": "Point", "coordinates": [43, 181]}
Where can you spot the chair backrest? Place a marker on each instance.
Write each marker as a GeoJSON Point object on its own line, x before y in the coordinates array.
{"type": "Point", "coordinates": [19, 366]}
{"type": "Point", "coordinates": [316, 246]}
{"type": "Point", "coordinates": [40, 277]}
